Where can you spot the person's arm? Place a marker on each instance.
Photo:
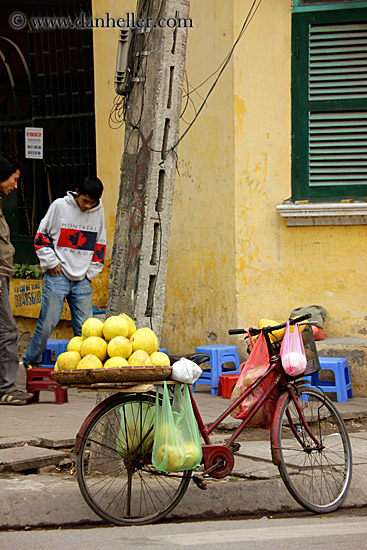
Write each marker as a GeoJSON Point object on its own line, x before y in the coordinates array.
{"type": "Point", "coordinates": [97, 261]}
{"type": "Point", "coordinates": [44, 245]}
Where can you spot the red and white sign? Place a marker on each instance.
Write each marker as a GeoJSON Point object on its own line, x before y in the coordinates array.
{"type": "Point", "coordinates": [34, 143]}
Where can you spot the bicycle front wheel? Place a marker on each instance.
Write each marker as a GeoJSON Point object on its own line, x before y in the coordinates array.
{"type": "Point", "coordinates": [114, 469]}
{"type": "Point", "coordinates": [316, 473]}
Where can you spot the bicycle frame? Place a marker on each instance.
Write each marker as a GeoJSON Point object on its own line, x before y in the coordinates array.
{"type": "Point", "coordinates": [206, 431]}
{"type": "Point", "coordinates": [288, 390]}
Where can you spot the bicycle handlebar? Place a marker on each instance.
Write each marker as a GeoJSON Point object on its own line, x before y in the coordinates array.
{"type": "Point", "coordinates": [255, 331]}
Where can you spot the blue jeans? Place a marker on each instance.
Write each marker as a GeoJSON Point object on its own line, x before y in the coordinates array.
{"type": "Point", "coordinates": [55, 289]}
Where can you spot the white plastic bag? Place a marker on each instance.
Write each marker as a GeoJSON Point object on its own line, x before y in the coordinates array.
{"type": "Point", "coordinates": [185, 371]}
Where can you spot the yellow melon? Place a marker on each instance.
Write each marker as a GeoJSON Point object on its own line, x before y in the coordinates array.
{"type": "Point", "coordinates": [160, 359]}
{"type": "Point", "coordinates": [75, 343]}
{"type": "Point", "coordinates": [144, 340]}
{"type": "Point", "coordinates": [89, 362]}
{"type": "Point", "coordinates": [192, 454]}
{"type": "Point", "coordinates": [119, 345]}
{"type": "Point", "coordinates": [169, 457]}
{"type": "Point", "coordinates": [130, 322]}
{"type": "Point", "coordinates": [115, 362]}
{"type": "Point", "coordinates": [153, 336]}
{"type": "Point", "coordinates": [68, 360]}
{"type": "Point", "coordinates": [92, 327]}
{"type": "Point", "coordinates": [115, 326]}
{"type": "Point", "coordinates": [140, 358]}
{"type": "Point", "coordinates": [94, 346]}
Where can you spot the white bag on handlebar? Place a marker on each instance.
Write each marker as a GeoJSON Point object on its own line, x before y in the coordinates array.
{"type": "Point", "coordinates": [185, 371]}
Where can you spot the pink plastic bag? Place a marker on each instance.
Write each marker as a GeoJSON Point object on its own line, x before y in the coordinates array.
{"type": "Point", "coordinates": [292, 352]}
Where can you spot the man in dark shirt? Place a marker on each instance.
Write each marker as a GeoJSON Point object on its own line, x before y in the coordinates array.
{"type": "Point", "coordinates": [9, 362]}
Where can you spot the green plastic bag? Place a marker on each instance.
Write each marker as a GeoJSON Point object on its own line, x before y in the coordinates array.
{"type": "Point", "coordinates": [136, 421]}
{"type": "Point", "coordinates": [177, 443]}
{"type": "Point", "coordinates": [187, 427]}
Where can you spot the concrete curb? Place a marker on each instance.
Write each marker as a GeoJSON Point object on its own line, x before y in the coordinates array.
{"type": "Point", "coordinates": [55, 501]}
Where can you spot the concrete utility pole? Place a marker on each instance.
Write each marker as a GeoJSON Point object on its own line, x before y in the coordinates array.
{"type": "Point", "coordinates": [139, 255]}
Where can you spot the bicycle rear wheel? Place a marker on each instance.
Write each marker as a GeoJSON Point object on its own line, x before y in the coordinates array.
{"type": "Point", "coordinates": [114, 469]}
{"type": "Point", "coordinates": [317, 476]}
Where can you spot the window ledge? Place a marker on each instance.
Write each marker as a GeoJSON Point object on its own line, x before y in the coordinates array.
{"type": "Point", "coordinates": [328, 213]}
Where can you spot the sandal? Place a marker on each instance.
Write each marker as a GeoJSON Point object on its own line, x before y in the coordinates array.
{"type": "Point", "coordinates": [15, 397]}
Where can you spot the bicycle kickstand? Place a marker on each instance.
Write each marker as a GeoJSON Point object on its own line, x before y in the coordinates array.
{"type": "Point", "coordinates": [199, 479]}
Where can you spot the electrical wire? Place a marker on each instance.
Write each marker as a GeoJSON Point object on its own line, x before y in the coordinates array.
{"type": "Point", "coordinates": [220, 69]}
{"type": "Point", "coordinates": [252, 11]}
{"type": "Point", "coordinates": [119, 113]}
{"type": "Point", "coordinates": [223, 66]}
{"type": "Point", "coordinates": [188, 99]}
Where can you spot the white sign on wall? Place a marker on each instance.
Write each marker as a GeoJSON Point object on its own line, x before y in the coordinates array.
{"type": "Point", "coordinates": [34, 143]}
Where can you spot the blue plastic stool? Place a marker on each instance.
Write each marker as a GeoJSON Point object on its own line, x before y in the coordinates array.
{"type": "Point", "coordinates": [56, 345]}
{"type": "Point", "coordinates": [219, 354]}
{"type": "Point", "coordinates": [163, 350]}
{"type": "Point", "coordinates": [342, 385]}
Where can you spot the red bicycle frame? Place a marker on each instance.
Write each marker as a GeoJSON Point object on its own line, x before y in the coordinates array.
{"type": "Point", "coordinates": [286, 388]}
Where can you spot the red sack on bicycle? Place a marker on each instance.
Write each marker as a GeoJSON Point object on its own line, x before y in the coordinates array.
{"type": "Point", "coordinates": [256, 366]}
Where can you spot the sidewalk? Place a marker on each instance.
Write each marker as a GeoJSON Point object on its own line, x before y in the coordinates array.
{"type": "Point", "coordinates": [37, 438]}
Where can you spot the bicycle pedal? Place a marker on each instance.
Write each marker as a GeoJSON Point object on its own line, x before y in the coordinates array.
{"type": "Point", "coordinates": [199, 482]}
{"type": "Point", "coordinates": [235, 447]}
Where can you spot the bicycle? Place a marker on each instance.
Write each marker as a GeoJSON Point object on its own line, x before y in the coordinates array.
{"type": "Point", "coordinates": [309, 444]}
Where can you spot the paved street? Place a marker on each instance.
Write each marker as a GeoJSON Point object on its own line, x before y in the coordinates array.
{"type": "Point", "coordinates": [261, 534]}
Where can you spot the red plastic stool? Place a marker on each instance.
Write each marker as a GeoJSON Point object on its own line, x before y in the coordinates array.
{"type": "Point", "coordinates": [40, 379]}
{"type": "Point", "coordinates": [226, 383]}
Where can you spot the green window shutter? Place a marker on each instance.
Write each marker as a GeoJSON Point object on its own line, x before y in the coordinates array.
{"type": "Point", "coordinates": [329, 105]}
{"type": "Point", "coordinates": [337, 62]}
{"type": "Point", "coordinates": [338, 149]}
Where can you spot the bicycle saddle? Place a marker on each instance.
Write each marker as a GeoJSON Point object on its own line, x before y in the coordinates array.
{"type": "Point", "coordinates": [197, 358]}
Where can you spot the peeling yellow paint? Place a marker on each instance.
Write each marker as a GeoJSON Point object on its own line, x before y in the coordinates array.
{"type": "Point", "coordinates": [265, 169]}
{"type": "Point", "coordinates": [239, 109]}
{"type": "Point", "coordinates": [247, 166]}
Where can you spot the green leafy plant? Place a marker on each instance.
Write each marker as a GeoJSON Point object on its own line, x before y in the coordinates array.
{"type": "Point", "coordinates": [27, 271]}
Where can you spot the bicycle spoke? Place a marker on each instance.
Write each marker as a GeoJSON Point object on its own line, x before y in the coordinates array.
{"type": "Point", "coordinates": [318, 477]}
{"type": "Point", "coordinates": [114, 473]}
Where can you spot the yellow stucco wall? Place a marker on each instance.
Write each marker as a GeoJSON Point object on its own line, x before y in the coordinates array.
{"type": "Point", "coordinates": [266, 286]}
{"type": "Point", "coordinates": [279, 267]}
{"type": "Point", "coordinates": [232, 260]}
{"type": "Point", "coordinates": [200, 301]}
